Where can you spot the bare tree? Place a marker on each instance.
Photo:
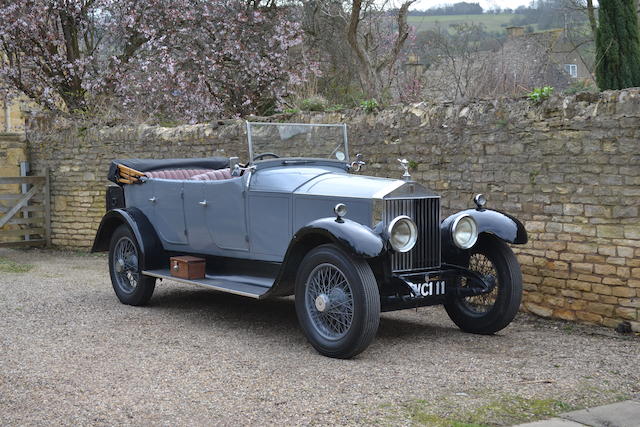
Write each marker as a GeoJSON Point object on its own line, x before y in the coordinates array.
{"type": "Point", "coordinates": [323, 23]}
{"type": "Point", "coordinates": [374, 68]}
{"type": "Point", "coordinates": [360, 39]}
{"type": "Point", "coordinates": [592, 17]}
{"type": "Point", "coordinates": [455, 59]}
{"type": "Point", "coordinates": [465, 65]}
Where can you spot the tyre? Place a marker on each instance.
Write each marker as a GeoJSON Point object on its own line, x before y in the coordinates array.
{"type": "Point", "coordinates": [125, 268]}
{"type": "Point", "coordinates": [337, 302]}
{"type": "Point", "coordinates": [491, 312]}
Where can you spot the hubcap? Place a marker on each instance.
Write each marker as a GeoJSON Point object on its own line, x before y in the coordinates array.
{"type": "Point", "coordinates": [322, 302]}
{"type": "Point", "coordinates": [120, 265]}
{"type": "Point", "coordinates": [329, 301]}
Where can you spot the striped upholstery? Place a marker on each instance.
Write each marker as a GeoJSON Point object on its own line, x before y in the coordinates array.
{"type": "Point", "coordinates": [216, 175]}
{"type": "Point", "coordinates": [176, 173]}
{"type": "Point", "coordinates": [196, 174]}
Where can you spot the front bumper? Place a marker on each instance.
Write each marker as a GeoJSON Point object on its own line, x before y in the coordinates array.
{"type": "Point", "coordinates": [433, 287]}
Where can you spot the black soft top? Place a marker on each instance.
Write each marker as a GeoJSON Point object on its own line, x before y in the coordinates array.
{"type": "Point", "coordinates": [147, 165]}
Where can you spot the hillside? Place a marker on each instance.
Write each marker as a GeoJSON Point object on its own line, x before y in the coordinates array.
{"type": "Point", "coordinates": [493, 23]}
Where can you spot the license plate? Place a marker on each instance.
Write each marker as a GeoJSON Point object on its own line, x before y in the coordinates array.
{"type": "Point", "coordinates": [429, 288]}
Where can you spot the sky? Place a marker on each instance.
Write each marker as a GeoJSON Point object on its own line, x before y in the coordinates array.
{"type": "Point", "coordinates": [486, 4]}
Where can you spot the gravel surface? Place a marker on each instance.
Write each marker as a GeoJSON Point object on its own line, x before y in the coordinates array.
{"type": "Point", "coordinates": [70, 353]}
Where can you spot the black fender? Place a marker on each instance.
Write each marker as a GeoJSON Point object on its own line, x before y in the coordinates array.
{"type": "Point", "coordinates": [500, 224]}
{"type": "Point", "coordinates": [151, 250]}
{"type": "Point", "coordinates": [355, 238]}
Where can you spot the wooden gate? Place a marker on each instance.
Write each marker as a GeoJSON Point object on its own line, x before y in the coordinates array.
{"type": "Point", "coordinates": [25, 217]}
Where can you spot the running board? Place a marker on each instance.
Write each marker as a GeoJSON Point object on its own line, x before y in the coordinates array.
{"type": "Point", "coordinates": [247, 286]}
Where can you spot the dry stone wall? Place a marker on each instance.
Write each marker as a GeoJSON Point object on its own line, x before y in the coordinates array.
{"type": "Point", "coordinates": [569, 168]}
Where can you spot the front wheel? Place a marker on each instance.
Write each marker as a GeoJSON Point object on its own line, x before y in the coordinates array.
{"type": "Point", "coordinates": [130, 285]}
{"type": "Point", "coordinates": [337, 302]}
{"type": "Point", "coordinates": [488, 313]}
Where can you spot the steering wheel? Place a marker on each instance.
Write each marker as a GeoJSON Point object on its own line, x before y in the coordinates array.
{"type": "Point", "coordinates": [263, 155]}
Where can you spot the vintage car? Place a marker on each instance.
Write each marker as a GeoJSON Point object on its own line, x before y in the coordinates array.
{"type": "Point", "coordinates": [298, 219]}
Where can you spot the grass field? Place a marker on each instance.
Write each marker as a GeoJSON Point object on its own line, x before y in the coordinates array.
{"type": "Point", "coordinates": [492, 23]}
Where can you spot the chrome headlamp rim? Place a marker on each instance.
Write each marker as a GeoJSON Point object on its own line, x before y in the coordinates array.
{"type": "Point", "coordinates": [413, 233]}
{"type": "Point", "coordinates": [469, 244]}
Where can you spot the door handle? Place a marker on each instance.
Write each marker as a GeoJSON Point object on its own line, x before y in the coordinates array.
{"type": "Point", "coordinates": [153, 199]}
{"type": "Point", "coordinates": [203, 203]}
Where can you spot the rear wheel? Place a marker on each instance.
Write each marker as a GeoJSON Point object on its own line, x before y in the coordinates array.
{"type": "Point", "coordinates": [130, 286]}
{"type": "Point", "coordinates": [337, 302]}
{"type": "Point", "coordinates": [493, 311]}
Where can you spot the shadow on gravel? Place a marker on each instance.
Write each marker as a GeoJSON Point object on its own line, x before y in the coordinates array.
{"type": "Point", "coordinates": [393, 329]}
{"type": "Point", "coordinates": [234, 311]}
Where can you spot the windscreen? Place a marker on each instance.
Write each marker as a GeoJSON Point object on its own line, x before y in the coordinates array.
{"type": "Point", "coordinates": [298, 140]}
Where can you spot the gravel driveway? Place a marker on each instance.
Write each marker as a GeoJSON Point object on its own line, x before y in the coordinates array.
{"type": "Point", "coordinates": [70, 353]}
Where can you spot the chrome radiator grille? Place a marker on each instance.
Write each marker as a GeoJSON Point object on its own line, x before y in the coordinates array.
{"type": "Point", "coordinates": [426, 214]}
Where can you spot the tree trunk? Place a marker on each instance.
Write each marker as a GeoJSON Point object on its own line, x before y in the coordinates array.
{"type": "Point", "coordinates": [372, 74]}
{"type": "Point", "coordinates": [592, 18]}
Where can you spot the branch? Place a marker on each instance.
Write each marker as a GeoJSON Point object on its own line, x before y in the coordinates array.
{"type": "Point", "coordinates": [403, 33]}
{"type": "Point", "coordinates": [592, 18]}
{"type": "Point", "coordinates": [352, 32]}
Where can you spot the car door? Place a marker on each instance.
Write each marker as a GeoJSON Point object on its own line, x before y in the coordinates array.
{"type": "Point", "coordinates": [195, 211]}
{"type": "Point", "coordinates": [168, 214]}
{"type": "Point", "coordinates": [215, 216]}
{"type": "Point", "coordinates": [226, 216]}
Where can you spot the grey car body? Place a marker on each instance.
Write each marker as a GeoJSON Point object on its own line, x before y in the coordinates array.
{"type": "Point", "coordinates": [255, 216]}
{"type": "Point", "coordinates": [287, 225]}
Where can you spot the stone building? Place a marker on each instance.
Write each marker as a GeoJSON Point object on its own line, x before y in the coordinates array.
{"type": "Point", "coordinates": [14, 110]}
{"type": "Point", "coordinates": [552, 46]}
{"type": "Point", "coordinates": [460, 69]}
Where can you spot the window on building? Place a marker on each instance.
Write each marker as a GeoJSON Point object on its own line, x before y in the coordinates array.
{"type": "Point", "coordinates": [572, 69]}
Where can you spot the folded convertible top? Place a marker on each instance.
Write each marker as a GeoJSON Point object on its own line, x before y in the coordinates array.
{"type": "Point", "coordinates": [147, 165]}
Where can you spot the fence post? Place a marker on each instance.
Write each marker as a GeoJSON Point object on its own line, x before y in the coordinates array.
{"type": "Point", "coordinates": [24, 171]}
{"type": "Point", "coordinates": [47, 208]}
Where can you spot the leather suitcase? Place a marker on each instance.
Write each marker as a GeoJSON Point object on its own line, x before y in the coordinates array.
{"type": "Point", "coordinates": [187, 267]}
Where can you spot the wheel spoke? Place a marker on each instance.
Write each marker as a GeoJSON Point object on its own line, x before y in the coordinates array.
{"type": "Point", "coordinates": [482, 265]}
{"type": "Point", "coordinates": [326, 281]}
{"type": "Point", "coordinates": [126, 265]}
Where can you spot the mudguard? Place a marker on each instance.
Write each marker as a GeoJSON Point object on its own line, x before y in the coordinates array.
{"type": "Point", "coordinates": [351, 236]}
{"type": "Point", "coordinates": [489, 221]}
{"type": "Point", "coordinates": [152, 252]}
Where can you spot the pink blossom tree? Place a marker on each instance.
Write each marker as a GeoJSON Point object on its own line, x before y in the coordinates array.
{"type": "Point", "coordinates": [187, 59]}
{"type": "Point", "coordinates": [240, 60]}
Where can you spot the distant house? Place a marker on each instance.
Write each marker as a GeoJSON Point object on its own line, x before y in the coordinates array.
{"type": "Point", "coordinates": [515, 32]}
{"type": "Point", "coordinates": [511, 66]}
{"type": "Point", "coordinates": [558, 50]}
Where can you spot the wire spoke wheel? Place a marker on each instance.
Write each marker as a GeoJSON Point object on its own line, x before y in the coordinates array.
{"type": "Point", "coordinates": [329, 301]}
{"type": "Point", "coordinates": [125, 265]}
{"type": "Point", "coordinates": [485, 267]}
{"type": "Point", "coordinates": [337, 301]}
{"type": "Point", "coordinates": [490, 312]}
